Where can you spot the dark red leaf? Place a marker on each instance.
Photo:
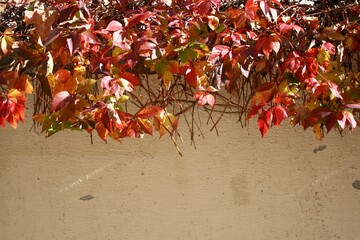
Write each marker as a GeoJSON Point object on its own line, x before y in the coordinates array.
{"type": "Point", "coordinates": [330, 121]}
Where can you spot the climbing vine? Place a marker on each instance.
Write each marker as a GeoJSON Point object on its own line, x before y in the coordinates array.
{"type": "Point", "coordinates": [129, 68]}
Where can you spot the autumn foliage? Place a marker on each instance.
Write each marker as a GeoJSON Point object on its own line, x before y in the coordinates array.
{"type": "Point", "coordinates": [129, 68]}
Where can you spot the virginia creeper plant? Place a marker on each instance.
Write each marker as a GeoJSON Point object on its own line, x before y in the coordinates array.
{"type": "Point", "coordinates": [123, 68]}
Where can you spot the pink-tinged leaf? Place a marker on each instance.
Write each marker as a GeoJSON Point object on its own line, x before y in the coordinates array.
{"type": "Point", "coordinates": [145, 46]}
{"type": "Point", "coordinates": [334, 89]}
{"type": "Point", "coordinates": [216, 3]}
{"type": "Point", "coordinates": [125, 84]}
{"type": "Point", "coordinates": [352, 105]}
{"type": "Point", "coordinates": [351, 120]}
{"type": "Point", "coordinates": [298, 29]}
{"type": "Point", "coordinates": [264, 6]}
{"type": "Point", "coordinates": [276, 46]}
{"type": "Point", "coordinates": [105, 82]}
{"type": "Point", "coordinates": [114, 26]}
{"type": "Point", "coordinates": [294, 62]}
{"type": "Point", "coordinates": [342, 120]}
{"type": "Point", "coordinates": [88, 37]}
{"type": "Point", "coordinates": [277, 2]}
{"type": "Point", "coordinates": [254, 111]}
{"type": "Point", "coordinates": [213, 22]}
{"type": "Point", "coordinates": [204, 98]}
{"type": "Point", "coordinates": [329, 47]}
{"type": "Point", "coordinates": [219, 51]}
{"type": "Point", "coordinates": [285, 28]}
{"type": "Point", "coordinates": [70, 45]}
{"type": "Point", "coordinates": [251, 35]}
{"type": "Point", "coordinates": [150, 112]}
{"type": "Point", "coordinates": [264, 121]}
{"type": "Point", "coordinates": [274, 14]}
{"type": "Point", "coordinates": [279, 114]}
{"type": "Point", "coordinates": [60, 100]}
{"type": "Point", "coordinates": [167, 2]}
{"type": "Point", "coordinates": [210, 99]}
{"type": "Point", "coordinates": [312, 83]}
{"type": "Point", "coordinates": [122, 41]}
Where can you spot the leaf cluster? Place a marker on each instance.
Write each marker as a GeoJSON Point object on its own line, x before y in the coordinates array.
{"type": "Point", "coordinates": [129, 68]}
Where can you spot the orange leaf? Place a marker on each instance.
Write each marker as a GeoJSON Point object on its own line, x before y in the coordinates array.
{"type": "Point", "coordinates": [268, 44]}
{"type": "Point", "coordinates": [150, 112]}
{"type": "Point", "coordinates": [145, 126]}
{"type": "Point", "coordinates": [12, 108]}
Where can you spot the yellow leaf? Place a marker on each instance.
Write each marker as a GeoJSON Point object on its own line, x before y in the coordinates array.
{"type": "Point", "coordinates": [165, 123]}
{"type": "Point", "coordinates": [168, 77]}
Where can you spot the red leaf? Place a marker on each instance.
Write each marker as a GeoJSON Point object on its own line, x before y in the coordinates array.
{"type": "Point", "coordinates": [190, 75]}
{"type": "Point", "coordinates": [351, 120]}
{"type": "Point", "coordinates": [132, 78]}
{"type": "Point", "coordinates": [264, 121]}
{"type": "Point", "coordinates": [150, 112]}
{"type": "Point", "coordinates": [136, 18]}
{"type": "Point", "coordinates": [285, 28]}
{"type": "Point", "coordinates": [294, 62]}
{"type": "Point", "coordinates": [60, 100]}
{"type": "Point", "coordinates": [268, 44]}
{"type": "Point", "coordinates": [250, 9]}
{"type": "Point", "coordinates": [254, 110]}
{"type": "Point", "coordinates": [279, 114]}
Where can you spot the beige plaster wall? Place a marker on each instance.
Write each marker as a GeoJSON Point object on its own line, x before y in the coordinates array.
{"type": "Point", "coordinates": [236, 186]}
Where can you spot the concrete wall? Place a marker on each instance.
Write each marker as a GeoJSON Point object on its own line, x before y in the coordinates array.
{"type": "Point", "coordinates": [236, 186]}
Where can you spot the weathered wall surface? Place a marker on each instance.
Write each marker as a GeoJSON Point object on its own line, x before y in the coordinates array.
{"type": "Point", "coordinates": [236, 186]}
